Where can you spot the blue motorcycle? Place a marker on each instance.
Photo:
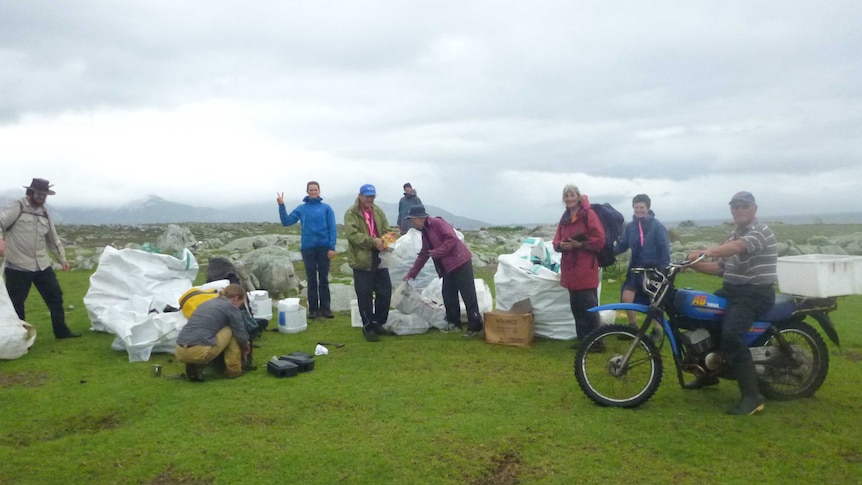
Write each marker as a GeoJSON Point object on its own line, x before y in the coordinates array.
{"type": "Point", "coordinates": [621, 366]}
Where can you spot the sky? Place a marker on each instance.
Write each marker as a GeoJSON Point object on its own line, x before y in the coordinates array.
{"type": "Point", "coordinates": [489, 108]}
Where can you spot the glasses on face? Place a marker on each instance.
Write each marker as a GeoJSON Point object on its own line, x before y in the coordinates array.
{"type": "Point", "coordinates": [737, 207]}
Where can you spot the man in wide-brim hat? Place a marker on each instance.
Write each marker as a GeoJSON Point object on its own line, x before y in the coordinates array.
{"type": "Point", "coordinates": [27, 234]}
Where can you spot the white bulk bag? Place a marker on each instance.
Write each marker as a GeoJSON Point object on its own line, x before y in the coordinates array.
{"type": "Point", "coordinates": [16, 335]}
{"type": "Point", "coordinates": [518, 278]}
{"type": "Point", "coordinates": [129, 292]}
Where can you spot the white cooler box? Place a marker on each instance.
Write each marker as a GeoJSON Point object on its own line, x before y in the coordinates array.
{"type": "Point", "coordinates": [820, 275]}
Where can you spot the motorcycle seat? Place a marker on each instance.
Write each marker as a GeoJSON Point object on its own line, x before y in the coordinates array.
{"type": "Point", "coordinates": [784, 306]}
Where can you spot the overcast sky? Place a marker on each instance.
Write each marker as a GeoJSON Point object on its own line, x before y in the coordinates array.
{"type": "Point", "coordinates": [488, 107]}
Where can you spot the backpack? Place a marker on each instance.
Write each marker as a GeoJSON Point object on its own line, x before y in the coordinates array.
{"type": "Point", "coordinates": [612, 221]}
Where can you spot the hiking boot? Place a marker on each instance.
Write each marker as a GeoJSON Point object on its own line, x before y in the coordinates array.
{"type": "Point", "coordinates": [597, 348]}
{"type": "Point", "coordinates": [656, 335]}
{"type": "Point", "coordinates": [748, 405]}
{"type": "Point", "coordinates": [701, 382]}
{"type": "Point", "coordinates": [69, 334]}
{"type": "Point", "coordinates": [195, 372]}
{"type": "Point", "coordinates": [369, 334]}
{"type": "Point", "coordinates": [327, 314]}
{"type": "Point", "coordinates": [313, 315]}
{"type": "Point", "coordinates": [474, 333]}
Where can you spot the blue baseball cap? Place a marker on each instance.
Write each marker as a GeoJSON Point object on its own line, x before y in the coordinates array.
{"type": "Point", "coordinates": [367, 190]}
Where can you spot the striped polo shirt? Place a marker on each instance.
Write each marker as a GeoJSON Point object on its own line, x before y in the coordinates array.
{"type": "Point", "coordinates": [757, 266]}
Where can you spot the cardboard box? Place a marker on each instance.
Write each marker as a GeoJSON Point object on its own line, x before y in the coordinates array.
{"type": "Point", "coordinates": [506, 328]}
{"type": "Point", "coordinates": [514, 327]}
{"type": "Point", "coordinates": [820, 275]}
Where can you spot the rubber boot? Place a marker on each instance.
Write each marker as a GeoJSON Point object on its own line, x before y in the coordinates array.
{"type": "Point", "coordinates": [751, 401]}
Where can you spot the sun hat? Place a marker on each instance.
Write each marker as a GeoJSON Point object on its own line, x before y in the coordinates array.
{"type": "Point", "coordinates": [416, 211]}
{"type": "Point", "coordinates": [41, 185]}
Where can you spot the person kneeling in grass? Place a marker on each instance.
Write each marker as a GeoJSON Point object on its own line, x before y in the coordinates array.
{"type": "Point", "coordinates": [215, 327]}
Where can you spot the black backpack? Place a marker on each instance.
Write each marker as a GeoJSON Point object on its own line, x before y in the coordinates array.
{"type": "Point", "coordinates": [612, 221]}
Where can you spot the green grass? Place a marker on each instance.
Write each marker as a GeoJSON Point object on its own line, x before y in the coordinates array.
{"type": "Point", "coordinates": [432, 408]}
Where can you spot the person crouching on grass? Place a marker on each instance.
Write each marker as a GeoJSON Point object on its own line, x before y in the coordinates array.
{"type": "Point", "coordinates": [215, 327]}
{"type": "Point", "coordinates": [454, 263]}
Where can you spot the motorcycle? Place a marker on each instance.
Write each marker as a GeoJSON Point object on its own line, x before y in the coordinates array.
{"type": "Point", "coordinates": [621, 366]}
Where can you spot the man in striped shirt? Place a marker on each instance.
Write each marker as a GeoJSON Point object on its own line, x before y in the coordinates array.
{"type": "Point", "coordinates": [747, 263]}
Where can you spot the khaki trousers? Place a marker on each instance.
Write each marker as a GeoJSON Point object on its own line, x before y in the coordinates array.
{"type": "Point", "coordinates": [204, 354]}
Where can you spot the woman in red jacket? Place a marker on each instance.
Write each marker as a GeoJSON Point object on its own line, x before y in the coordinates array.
{"type": "Point", "coordinates": [579, 237]}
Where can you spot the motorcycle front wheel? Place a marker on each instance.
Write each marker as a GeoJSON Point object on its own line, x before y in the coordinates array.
{"type": "Point", "coordinates": [603, 376]}
{"type": "Point", "coordinates": [798, 373]}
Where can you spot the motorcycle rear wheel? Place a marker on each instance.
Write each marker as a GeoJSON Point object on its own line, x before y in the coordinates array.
{"type": "Point", "coordinates": [803, 373]}
{"type": "Point", "coordinates": [604, 380]}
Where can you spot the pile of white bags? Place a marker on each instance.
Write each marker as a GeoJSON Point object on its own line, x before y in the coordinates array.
{"type": "Point", "coordinates": [16, 335]}
{"type": "Point", "coordinates": [526, 274]}
{"type": "Point", "coordinates": [128, 295]}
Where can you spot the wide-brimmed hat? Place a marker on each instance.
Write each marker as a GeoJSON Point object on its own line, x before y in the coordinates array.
{"type": "Point", "coordinates": [416, 211]}
{"type": "Point", "coordinates": [41, 185]}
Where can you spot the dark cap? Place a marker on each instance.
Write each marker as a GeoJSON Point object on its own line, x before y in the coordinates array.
{"type": "Point", "coordinates": [417, 211]}
{"type": "Point", "coordinates": [744, 197]}
{"type": "Point", "coordinates": [41, 185]}
{"type": "Point", "coordinates": [367, 190]}
{"type": "Point", "coordinates": [407, 185]}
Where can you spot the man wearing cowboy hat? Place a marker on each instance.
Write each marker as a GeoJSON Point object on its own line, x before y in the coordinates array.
{"type": "Point", "coordinates": [27, 234]}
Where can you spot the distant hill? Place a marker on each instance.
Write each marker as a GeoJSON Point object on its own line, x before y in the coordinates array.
{"type": "Point", "coordinates": [155, 210]}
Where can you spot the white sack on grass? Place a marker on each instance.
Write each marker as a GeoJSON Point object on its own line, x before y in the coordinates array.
{"type": "Point", "coordinates": [407, 300]}
{"type": "Point", "coordinates": [16, 335]}
{"type": "Point", "coordinates": [403, 255]}
{"type": "Point", "coordinates": [404, 324]}
{"type": "Point", "coordinates": [128, 293]}
{"type": "Point", "coordinates": [434, 292]}
{"type": "Point", "coordinates": [518, 278]}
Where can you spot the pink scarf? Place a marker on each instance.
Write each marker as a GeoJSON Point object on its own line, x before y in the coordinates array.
{"type": "Point", "coordinates": [369, 220]}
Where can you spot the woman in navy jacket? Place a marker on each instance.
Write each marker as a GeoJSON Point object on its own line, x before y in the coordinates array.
{"type": "Point", "coordinates": [648, 240]}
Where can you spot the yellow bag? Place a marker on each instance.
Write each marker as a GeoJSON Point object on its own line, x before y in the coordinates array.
{"type": "Point", "coordinates": [192, 298]}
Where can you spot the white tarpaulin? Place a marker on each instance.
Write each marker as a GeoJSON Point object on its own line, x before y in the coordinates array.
{"type": "Point", "coordinates": [518, 277]}
{"type": "Point", "coordinates": [16, 335]}
{"type": "Point", "coordinates": [128, 295]}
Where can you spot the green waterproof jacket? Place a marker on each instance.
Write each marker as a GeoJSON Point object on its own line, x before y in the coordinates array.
{"type": "Point", "coordinates": [360, 247]}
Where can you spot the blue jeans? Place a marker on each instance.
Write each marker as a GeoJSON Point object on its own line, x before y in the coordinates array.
{"type": "Point", "coordinates": [317, 273]}
{"type": "Point", "coordinates": [18, 285]}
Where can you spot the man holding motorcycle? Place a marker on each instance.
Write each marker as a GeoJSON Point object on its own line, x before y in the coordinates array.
{"type": "Point", "coordinates": [747, 262]}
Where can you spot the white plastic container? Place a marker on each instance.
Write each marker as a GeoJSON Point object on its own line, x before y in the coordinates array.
{"type": "Point", "coordinates": [820, 275]}
{"type": "Point", "coordinates": [260, 303]}
{"type": "Point", "coordinates": [291, 317]}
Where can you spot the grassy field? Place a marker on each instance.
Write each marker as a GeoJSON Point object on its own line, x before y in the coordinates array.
{"type": "Point", "coordinates": [432, 408]}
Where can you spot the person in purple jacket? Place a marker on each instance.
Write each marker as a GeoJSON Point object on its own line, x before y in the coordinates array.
{"type": "Point", "coordinates": [317, 245]}
{"type": "Point", "coordinates": [454, 263]}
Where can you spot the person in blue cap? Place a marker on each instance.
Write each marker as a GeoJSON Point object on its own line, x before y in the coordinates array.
{"type": "Point", "coordinates": [365, 226]}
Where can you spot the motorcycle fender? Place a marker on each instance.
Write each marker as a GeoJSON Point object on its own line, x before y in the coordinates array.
{"type": "Point", "coordinates": [634, 307]}
{"type": "Point", "coordinates": [827, 325]}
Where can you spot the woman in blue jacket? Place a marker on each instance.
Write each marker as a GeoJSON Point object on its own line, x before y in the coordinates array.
{"type": "Point", "coordinates": [648, 240]}
{"type": "Point", "coordinates": [317, 246]}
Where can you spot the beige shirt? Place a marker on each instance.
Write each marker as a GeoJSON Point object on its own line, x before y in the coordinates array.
{"type": "Point", "coordinates": [30, 238]}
